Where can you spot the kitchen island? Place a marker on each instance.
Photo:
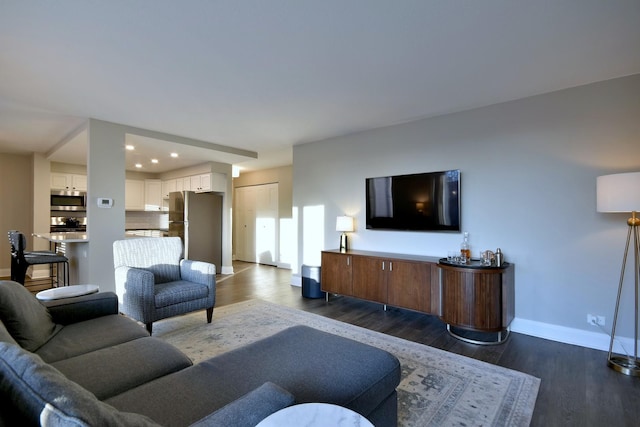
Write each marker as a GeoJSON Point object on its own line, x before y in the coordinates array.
{"type": "Point", "coordinates": [74, 246]}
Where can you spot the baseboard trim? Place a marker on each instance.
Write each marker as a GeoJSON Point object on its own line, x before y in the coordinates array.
{"type": "Point", "coordinates": [226, 269]}
{"type": "Point", "coordinates": [573, 336]}
{"type": "Point", "coordinates": [5, 272]}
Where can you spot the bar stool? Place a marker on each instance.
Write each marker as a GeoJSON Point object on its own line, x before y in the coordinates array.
{"type": "Point", "coordinates": [21, 260]}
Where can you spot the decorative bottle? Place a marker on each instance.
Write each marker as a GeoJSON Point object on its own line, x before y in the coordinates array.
{"type": "Point", "coordinates": [465, 249]}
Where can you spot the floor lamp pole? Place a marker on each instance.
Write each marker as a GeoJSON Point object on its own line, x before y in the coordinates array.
{"type": "Point", "coordinates": [625, 364]}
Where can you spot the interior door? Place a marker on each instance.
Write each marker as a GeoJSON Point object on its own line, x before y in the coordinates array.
{"type": "Point", "coordinates": [266, 224]}
{"type": "Point", "coordinates": [256, 224]}
{"type": "Point", "coordinates": [245, 224]}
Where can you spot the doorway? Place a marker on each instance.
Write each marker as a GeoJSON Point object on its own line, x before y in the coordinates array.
{"type": "Point", "coordinates": [256, 224]}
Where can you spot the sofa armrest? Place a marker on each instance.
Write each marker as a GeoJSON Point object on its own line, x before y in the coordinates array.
{"type": "Point", "coordinates": [200, 272]}
{"type": "Point", "coordinates": [77, 309]}
{"type": "Point", "coordinates": [250, 409]}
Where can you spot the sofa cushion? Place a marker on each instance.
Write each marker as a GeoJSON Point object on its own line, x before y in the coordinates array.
{"type": "Point", "coordinates": [90, 335]}
{"type": "Point", "coordinates": [34, 393]}
{"type": "Point", "coordinates": [28, 321]}
{"type": "Point", "coordinates": [250, 409]}
{"type": "Point", "coordinates": [356, 376]}
{"type": "Point", "coordinates": [5, 336]}
{"type": "Point", "coordinates": [113, 370]}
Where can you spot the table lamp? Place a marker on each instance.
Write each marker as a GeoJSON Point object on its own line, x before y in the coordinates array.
{"type": "Point", "coordinates": [621, 193]}
{"type": "Point", "coordinates": [344, 224]}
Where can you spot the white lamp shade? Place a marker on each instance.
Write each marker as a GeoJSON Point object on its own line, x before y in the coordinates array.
{"type": "Point", "coordinates": [618, 192]}
{"type": "Point", "coordinates": [344, 223]}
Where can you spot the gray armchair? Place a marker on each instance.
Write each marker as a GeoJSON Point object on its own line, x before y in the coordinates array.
{"type": "Point", "coordinates": [153, 282]}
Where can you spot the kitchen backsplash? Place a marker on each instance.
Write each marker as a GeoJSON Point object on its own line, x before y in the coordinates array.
{"type": "Point", "coordinates": [141, 220]}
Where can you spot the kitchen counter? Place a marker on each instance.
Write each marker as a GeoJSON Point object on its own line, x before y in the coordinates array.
{"type": "Point", "coordinates": [63, 237]}
{"type": "Point", "coordinates": [74, 246]}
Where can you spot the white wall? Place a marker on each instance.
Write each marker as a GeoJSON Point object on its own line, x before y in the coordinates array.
{"type": "Point", "coordinates": [16, 195]}
{"type": "Point", "coordinates": [105, 178]}
{"type": "Point", "coordinates": [528, 170]}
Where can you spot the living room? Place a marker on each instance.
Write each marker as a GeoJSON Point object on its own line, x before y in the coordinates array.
{"type": "Point", "coordinates": [528, 171]}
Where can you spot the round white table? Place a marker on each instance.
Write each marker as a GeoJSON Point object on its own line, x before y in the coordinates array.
{"type": "Point", "coordinates": [316, 415]}
{"type": "Point", "coordinates": [67, 292]}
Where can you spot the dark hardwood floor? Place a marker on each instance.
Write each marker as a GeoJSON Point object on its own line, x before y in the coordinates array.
{"type": "Point", "coordinates": [577, 388]}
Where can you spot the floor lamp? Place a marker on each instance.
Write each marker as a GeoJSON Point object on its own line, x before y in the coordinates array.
{"type": "Point", "coordinates": [621, 193]}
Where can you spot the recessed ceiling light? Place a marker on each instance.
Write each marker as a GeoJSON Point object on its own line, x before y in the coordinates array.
{"type": "Point", "coordinates": [130, 147]}
{"type": "Point", "coordinates": [138, 165]}
{"type": "Point", "coordinates": [154, 160]}
{"type": "Point", "coordinates": [174, 155]}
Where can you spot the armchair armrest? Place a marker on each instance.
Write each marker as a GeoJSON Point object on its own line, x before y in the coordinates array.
{"type": "Point", "coordinates": [136, 291]}
{"type": "Point", "coordinates": [134, 282]}
{"type": "Point", "coordinates": [200, 272]}
{"type": "Point", "coordinates": [85, 307]}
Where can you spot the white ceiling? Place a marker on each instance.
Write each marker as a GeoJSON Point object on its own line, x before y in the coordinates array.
{"type": "Point", "coordinates": [266, 75]}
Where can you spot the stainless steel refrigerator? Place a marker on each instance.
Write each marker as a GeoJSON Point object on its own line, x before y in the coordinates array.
{"type": "Point", "coordinates": [197, 219]}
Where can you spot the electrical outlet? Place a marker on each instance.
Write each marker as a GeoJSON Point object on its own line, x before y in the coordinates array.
{"type": "Point", "coordinates": [595, 320]}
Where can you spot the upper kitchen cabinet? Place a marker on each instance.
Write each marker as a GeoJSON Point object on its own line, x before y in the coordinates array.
{"type": "Point", "coordinates": [201, 182]}
{"type": "Point", "coordinates": [169, 186]}
{"type": "Point", "coordinates": [198, 183]}
{"type": "Point", "coordinates": [152, 195]}
{"type": "Point", "coordinates": [209, 182]}
{"type": "Point", "coordinates": [68, 181]}
{"type": "Point", "coordinates": [143, 195]}
{"type": "Point", "coordinates": [134, 195]}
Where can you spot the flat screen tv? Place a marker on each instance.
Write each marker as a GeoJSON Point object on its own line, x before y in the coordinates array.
{"type": "Point", "coordinates": [418, 202]}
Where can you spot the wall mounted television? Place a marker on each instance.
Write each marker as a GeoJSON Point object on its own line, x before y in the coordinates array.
{"type": "Point", "coordinates": [418, 202]}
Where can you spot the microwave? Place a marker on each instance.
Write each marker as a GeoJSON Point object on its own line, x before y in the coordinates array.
{"type": "Point", "coordinates": [68, 200]}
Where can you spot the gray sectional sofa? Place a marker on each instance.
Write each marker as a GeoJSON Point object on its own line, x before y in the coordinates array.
{"type": "Point", "coordinates": [78, 362]}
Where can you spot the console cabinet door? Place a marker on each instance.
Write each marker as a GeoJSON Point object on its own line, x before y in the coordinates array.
{"type": "Point", "coordinates": [472, 299]}
{"type": "Point", "coordinates": [370, 278]}
{"type": "Point", "coordinates": [409, 285]}
{"type": "Point", "coordinates": [336, 273]}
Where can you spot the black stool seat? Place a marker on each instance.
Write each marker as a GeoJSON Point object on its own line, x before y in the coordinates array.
{"type": "Point", "coordinates": [34, 258]}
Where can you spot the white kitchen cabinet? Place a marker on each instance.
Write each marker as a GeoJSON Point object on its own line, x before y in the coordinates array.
{"type": "Point", "coordinates": [134, 195]}
{"type": "Point", "coordinates": [209, 182]}
{"type": "Point", "coordinates": [68, 181]}
{"type": "Point", "coordinates": [169, 186]}
{"type": "Point", "coordinates": [152, 195]}
{"type": "Point", "coordinates": [201, 182]}
{"type": "Point", "coordinates": [180, 184]}
{"type": "Point", "coordinates": [186, 183]}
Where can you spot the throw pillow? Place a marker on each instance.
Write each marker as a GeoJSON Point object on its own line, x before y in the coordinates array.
{"type": "Point", "coordinates": [35, 393]}
{"type": "Point", "coordinates": [28, 321]}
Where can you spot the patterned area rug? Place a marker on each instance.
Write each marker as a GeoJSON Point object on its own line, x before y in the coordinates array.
{"type": "Point", "coordinates": [438, 388]}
